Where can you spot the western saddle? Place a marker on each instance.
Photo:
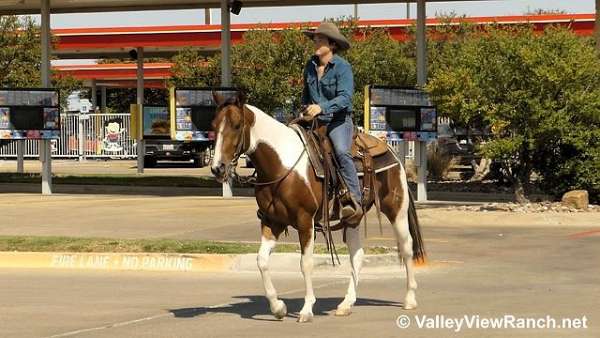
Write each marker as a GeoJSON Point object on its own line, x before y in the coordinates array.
{"type": "Point", "coordinates": [371, 156]}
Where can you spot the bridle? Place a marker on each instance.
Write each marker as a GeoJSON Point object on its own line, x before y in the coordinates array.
{"type": "Point", "coordinates": [241, 149]}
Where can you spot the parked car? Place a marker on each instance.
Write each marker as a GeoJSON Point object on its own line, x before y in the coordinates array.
{"type": "Point", "coordinates": [168, 150]}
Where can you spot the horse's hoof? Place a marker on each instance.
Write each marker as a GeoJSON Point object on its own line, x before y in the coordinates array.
{"type": "Point", "coordinates": [343, 311]}
{"type": "Point", "coordinates": [410, 305]}
{"type": "Point", "coordinates": [305, 318]}
{"type": "Point", "coordinates": [281, 310]}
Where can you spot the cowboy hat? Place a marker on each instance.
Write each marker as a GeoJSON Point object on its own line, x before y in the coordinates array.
{"type": "Point", "coordinates": [331, 31]}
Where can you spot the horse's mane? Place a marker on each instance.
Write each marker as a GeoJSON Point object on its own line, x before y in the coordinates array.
{"type": "Point", "coordinates": [232, 100]}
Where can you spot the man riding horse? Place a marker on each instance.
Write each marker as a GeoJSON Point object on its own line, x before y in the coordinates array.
{"type": "Point", "coordinates": [288, 189]}
{"type": "Point", "coordinates": [327, 95]}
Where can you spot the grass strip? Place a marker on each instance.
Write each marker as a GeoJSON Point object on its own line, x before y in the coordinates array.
{"type": "Point", "coordinates": [76, 244]}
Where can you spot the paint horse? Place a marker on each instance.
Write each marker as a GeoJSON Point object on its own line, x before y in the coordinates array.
{"type": "Point", "coordinates": [289, 194]}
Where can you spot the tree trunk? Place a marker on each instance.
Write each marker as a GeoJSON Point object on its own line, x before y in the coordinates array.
{"type": "Point", "coordinates": [520, 192]}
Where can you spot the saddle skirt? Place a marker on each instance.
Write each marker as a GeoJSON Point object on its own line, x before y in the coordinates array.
{"type": "Point", "coordinates": [363, 145]}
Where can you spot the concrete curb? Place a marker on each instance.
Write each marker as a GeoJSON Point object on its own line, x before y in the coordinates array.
{"type": "Point", "coordinates": [469, 219]}
{"type": "Point", "coordinates": [123, 190]}
{"type": "Point", "coordinates": [284, 262]}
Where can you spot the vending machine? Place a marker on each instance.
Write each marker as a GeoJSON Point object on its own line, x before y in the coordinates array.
{"type": "Point", "coordinates": [399, 114]}
{"type": "Point", "coordinates": [29, 114]}
{"type": "Point", "coordinates": [193, 110]}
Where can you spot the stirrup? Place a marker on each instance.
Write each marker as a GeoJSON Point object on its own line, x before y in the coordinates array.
{"type": "Point", "coordinates": [352, 212]}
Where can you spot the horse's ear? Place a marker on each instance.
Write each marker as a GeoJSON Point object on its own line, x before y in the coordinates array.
{"type": "Point", "coordinates": [241, 98]}
{"type": "Point", "coordinates": [219, 99]}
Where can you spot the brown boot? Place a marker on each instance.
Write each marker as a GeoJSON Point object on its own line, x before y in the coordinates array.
{"type": "Point", "coordinates": [352, 212]}
{"type": "Point", "coordinates": [354, 219]}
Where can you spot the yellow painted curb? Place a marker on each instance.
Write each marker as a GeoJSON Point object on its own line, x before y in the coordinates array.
{"type": "Point", "coordinates": [119, 261]}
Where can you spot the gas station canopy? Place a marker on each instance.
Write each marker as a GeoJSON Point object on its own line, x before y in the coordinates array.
{"type": "Point", "coordinates": [47, 7]}
{"type": "Point", "coordinates": [81, 6]}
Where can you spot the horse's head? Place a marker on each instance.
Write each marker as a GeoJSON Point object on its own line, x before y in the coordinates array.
{"type": "Point", "coordinates": [232, 125]}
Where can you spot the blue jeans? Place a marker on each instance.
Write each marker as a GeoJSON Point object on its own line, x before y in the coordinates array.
{"type": "Point", "coordinates": [340, 132]}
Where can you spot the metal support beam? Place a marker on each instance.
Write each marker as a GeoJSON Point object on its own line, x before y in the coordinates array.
{"type": "Point", "coordinates": [421, 146]}
{"type": "Point", "coordinates": [20, 156]}
{"type": "Point", "coordinates": [103, 99]}
{"type": "Point", "coordinates": [45, 145]}
{"type": "Point", "coordinates": [421, 44]}
{"type": "Point", "coordinates": [225, 44]}
{"type": "Point", "coordinates": [207, 17]}
{"type": "Point", "coordinates": [94, 95]}
{"type": "Point", "coordinates": [81, 137]}
{"type": "Point", "coordinates": [226, 64]}
{"type": "Point", "coordinates": [141, 151]}
{"type": "Point", "coordinates": [402, 152]}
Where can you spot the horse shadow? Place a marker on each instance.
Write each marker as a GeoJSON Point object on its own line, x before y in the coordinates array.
{"type": "Point", "coordinates": [254, 307]}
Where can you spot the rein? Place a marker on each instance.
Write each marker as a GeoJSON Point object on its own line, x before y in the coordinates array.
{"type": "Point", "coordinates": [251, 179]}
{"type": "Point", "coordinates": [326, 229]}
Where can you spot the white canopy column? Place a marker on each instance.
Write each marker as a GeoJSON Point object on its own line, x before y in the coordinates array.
{"type": "Point", "coordinates": [141, 149]}
{"type": "Point", "coordinates": [45, 145]}
{"type": "Point", "coordinates": [421, 146]}
{"type": "Point", "coordinates": [226, 65]}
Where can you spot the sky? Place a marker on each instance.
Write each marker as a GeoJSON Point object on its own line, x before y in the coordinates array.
{"type": "Point", "coordinates": [310, 13]}
{"type": "Point", "coordinates": [315, 13]}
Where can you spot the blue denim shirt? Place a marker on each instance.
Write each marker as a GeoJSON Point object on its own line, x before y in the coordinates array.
{"type": "Point", "coordinates": [333, 93]}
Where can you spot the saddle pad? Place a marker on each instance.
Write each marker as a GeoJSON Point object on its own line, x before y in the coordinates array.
{"type": "Point", "coordinates": [380, 163]}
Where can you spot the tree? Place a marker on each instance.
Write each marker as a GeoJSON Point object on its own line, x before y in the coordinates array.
{"type": "Point", "coordinates": [20, 57]}
{"type": "Point", "coordinates": [541, 11]}
{"type": "Point", "coordinates": [120, 99]}
{"type": "Point", "coordinates": [378, 59]}
{"type": "Point", "coordinates": [597, 25]}
{"type": "Point", "coordinates": [269, 65]}
{"type": "Point", "coordinates": [193, 69]}
{"type": "Point", "coordinates": [20, 52]}
{"type": "Point", "coordinates": [534, 93]}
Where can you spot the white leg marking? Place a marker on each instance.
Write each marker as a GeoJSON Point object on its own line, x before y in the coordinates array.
{"type": "Point", "coordinates": [405, 253]}
{"type": "Point", "coordinates": [277, 306]}
{"type": "Point", "coordinates": [306, 264]}
{"type": "Point", "coordinates": [405, 243]}
{"type": "Point", "coordinates": [356, 259]}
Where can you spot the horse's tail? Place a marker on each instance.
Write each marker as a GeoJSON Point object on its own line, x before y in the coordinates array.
{"type": "Point", "coordinates": [415, 231]}
{"type": "Point", "coordinates": [413, 221]}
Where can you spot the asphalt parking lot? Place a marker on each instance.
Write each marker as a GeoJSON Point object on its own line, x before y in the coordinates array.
{"type": "Point", "coordinates": [531, 272]}
{"type": "Point", "coordinates": [490, 265]}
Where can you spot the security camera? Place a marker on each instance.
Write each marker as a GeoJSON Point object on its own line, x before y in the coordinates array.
{"type": "Point", "coordinates": [133, 54]}
{"type": "Point", "coordinates": [236, 7]}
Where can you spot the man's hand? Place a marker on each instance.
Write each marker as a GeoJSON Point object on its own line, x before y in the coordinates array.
{"type": "Point", "coordinates": [311, 111]}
